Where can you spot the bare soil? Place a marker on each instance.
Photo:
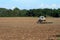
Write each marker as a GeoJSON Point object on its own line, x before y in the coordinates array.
{"type": "Point", "coordinates": [26, 28]}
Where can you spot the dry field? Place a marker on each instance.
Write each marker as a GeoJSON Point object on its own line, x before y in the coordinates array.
{"type": "Point", "coordinates": [26, 28]}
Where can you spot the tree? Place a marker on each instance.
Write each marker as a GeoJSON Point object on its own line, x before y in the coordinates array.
{"type": "Point", "coordinates": [16, 12]}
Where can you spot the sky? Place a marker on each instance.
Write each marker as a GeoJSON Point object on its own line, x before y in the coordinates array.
{"type": "Point", "coordinates": [29, 4]}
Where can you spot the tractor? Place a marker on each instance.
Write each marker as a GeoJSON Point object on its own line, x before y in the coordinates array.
{"type": "Point", "coordinates": [41, 19]}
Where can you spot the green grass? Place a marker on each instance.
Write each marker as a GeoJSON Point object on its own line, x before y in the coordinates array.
{"type": "Point", "coordinates": [58, 38]}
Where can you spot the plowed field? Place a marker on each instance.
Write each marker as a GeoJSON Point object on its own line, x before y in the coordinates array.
{"type": "Point", "coordinates": [26, 28]}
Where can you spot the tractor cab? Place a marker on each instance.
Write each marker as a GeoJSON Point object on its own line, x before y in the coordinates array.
{"type": "Point", "coordinates": [42, 18]}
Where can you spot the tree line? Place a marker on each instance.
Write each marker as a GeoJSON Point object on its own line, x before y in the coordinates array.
{"type": "Point", "coordinates": [16, 12]}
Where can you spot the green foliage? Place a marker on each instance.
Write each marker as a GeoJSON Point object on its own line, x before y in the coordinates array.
{"type": "Point", "coordinates": [16, 12]}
